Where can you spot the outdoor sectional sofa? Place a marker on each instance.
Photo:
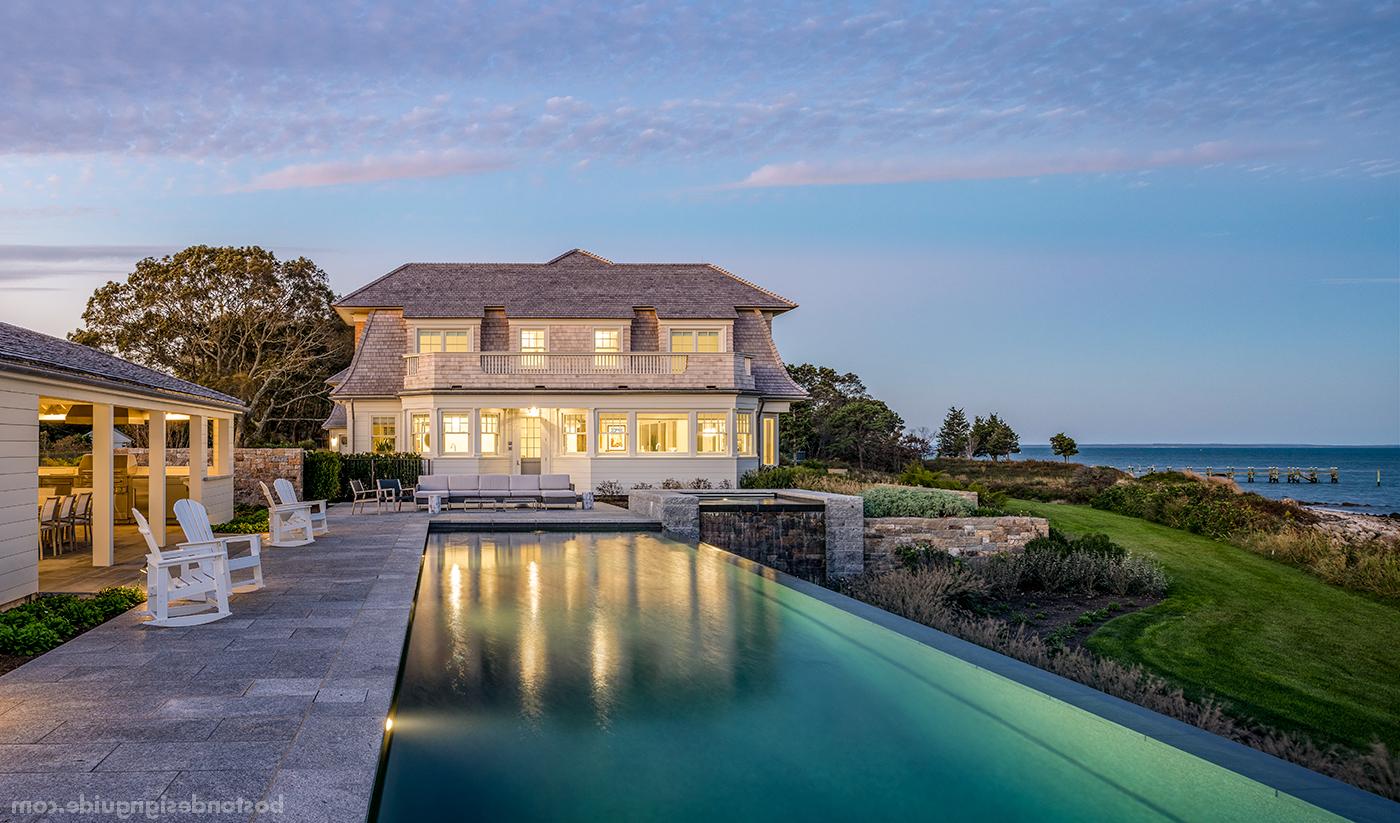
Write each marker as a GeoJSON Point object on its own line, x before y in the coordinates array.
{"type": "Point", "coordinates": [543, 489]}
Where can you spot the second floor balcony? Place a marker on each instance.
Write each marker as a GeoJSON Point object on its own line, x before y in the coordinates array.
{"type": "Point", "coordinates": [578, 370]}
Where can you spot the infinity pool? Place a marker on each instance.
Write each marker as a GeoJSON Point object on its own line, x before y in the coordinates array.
{"type": "Point", "coordinates": [629, 677]}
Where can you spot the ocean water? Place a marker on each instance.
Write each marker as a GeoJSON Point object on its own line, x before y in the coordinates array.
{"type": "Point", "coordinates": [1356, 489]}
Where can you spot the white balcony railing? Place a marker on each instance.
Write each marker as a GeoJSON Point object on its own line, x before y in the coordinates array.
{"type": "Point", "coordinates": [565, 370]}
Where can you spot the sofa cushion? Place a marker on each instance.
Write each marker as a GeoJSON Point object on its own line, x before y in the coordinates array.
{"type": "Point", "coordinates": [525, 482]}
{"type": "Point", "coordinates": [462, 482]}
{"type": "Point", "coordinates": [558, 494]}
{"type": "Point", "coordinates": [495, 482]}
{"type": "Point", "coordinates": [554, 481]}
{"type": "Point", "coordinates": [432, 483]}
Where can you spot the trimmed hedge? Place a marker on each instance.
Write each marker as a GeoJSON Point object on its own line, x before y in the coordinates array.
{"type": "Point", "coordinates": [320, 475]}
{"type": "Point", "coordinates": [891, 501]}
{"type": "Point", "coordinates": [369, 468]}
{"type": "Point", "coordinates": [39, 625]}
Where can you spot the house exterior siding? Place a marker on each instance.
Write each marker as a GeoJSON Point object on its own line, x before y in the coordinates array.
{"type": "Point", "coordinates": [689, 400]}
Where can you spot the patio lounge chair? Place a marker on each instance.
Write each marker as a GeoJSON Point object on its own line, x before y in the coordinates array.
{"type": "Point", "coordinates": [194, 522]}
{"type": "Point", "coordinates": [392, 491]}
{"type": "Point", "coordinates": [288, 525]}
{"type": "Point", "coordinates": [362, 495]}
{"type": "Point", "coordinates": [288, 495]}
{"type": "Point", "coordinates": [197, 575]}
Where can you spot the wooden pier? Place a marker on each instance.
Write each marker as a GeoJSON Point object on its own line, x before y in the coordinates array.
{"type": "Point", "coordinates": [1272, 474]}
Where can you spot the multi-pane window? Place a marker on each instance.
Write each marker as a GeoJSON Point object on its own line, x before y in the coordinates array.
{"type": "Point", "coordinates": [607, 340]}
{"type": "Point", "coordinates": [712, 433]}
{"type": "Point", "coordinates": [490, 432]}
{"type": "Point", "coordinates": [456, 433]}
{"type": "Point", "coordinates": [532, 340]}
{"type": "Point", "coordinates": [770, 441]}
{"type": "Point", "coordinates": [695, 340]}
{"type": "Point", "coordinates": [743, 433]}
{"type": "Point", "coordinates": [662, 432]}
{"type": "Point", "coordinates": [383, 434]}
{"type": "Point", "coordinates": [439, 340]}
{"type": "Point", "coordinates": [531, 437]}
{"type": "Point", "coordinates": [575, 428]}
{"type": "Point", "coordinates": [419, 428]}
{"type": "Point", "coordinates": [612, 433]}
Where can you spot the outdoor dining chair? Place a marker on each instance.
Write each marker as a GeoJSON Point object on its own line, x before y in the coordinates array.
{"type": "Point", "coordinates": [392, 491]}
{"type": "Point", "coordinates": [49, 527]}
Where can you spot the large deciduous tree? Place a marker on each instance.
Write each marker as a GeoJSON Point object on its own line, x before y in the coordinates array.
{"type": "Point", "coordinates": [842, 422]}
{"type": "Point", "coordinates": [234, 319]}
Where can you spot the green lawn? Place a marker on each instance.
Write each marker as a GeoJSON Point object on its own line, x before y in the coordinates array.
{"type": "Point", "coordinates": [1281, 646]}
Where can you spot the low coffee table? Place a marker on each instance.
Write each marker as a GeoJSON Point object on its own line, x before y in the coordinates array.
{"type": "Point", "coordinates": [435, 501]}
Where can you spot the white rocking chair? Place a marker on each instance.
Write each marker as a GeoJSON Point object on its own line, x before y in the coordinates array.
{"type": "Point", "coordinates": [288, 495]}
{"type": "Point", "coordinates": [288, 525]}
{"type": "Point", "coordinates": [194, 522]}
{"type": "Point", "coordinates": [198, 576]}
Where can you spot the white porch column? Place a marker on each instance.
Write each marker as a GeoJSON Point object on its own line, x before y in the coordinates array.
{"type": "Point", "coordinates": [223, 446]}
{"type": "Point", "coordinates": [102, 485]}
{"type": "Point", "coordinates": [155, 493]}
{"type": "Point", "coordinates": [199, 456]}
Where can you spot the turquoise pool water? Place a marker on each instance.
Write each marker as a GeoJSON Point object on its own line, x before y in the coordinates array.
{"type": "Point", "coordinates": [629, 677]}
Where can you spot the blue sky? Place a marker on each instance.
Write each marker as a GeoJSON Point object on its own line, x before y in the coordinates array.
{"type": "Point", "coordinates": [1136, 223]}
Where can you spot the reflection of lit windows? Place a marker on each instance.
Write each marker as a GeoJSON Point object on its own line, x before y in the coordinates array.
{"type": "Point", "coordinates": [419, 426]}
{"type": "Point", "coordinates": [382, 434]}
{"type": "Point", "coordinates": [456, 433]}
{"type": "Point", "coordinates": [712, 433]}
{"type": "Point", "coordinates": [770, 441]}
{"type": "Point", "coordinates": [612, 433]}
{"type": "Point", "coordinates": [743, 433]}
{"type": "Point", "coordinates": [662, 432]}
{"type": "Point", "coordinates": [490, 433]}
{"type": "Point", "coordinates": [575, 428]}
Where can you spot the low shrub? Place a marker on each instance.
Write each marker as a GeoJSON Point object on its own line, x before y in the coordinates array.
{"type": "Point", "coordinates": [320, 475]}
{"type": "Point", "coordinates": [1215, 510]}
{"type": "Point", "coordinates": [1060, 543]}
{"type": "Point", "coordinates": [918, 474]}
{"type": "Point", "coordinates": [1369, 565]}
{"type": "Point", "coordinates": [1048, 480]}
{"type": "Point", "coordinates": [610, 488]}
{"type": "Point", "coordinates": [39, 625]}
{"type": "Point", "coordinates": [246, 520]}
{"type": "Point", "coordinates": [642, 485]}
{"type": "Point", "coordinates": [700, 483]}
{"type": "Point", "coordinates": [927, 594]}
{"type": "Point", "coordinates": [894, 501]}
{"type": "Point", "coordinates": [672, 483]}
{"type": "Point", "coordinates": [778, 477]}
{"type": "Point", "coordinates": [1080, 572]}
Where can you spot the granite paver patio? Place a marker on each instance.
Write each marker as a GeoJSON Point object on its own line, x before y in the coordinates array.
{"type": "Point", "coordinates": [283, 702]}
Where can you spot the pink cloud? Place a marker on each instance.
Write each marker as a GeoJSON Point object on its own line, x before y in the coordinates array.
{"type": "Point", "coordinates": [374, 169]}
{"type": "Point", "coordinates": [997, 167]}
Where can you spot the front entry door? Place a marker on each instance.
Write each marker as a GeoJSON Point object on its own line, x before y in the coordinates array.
{"type": "Point", "coordinates": [530, 438]}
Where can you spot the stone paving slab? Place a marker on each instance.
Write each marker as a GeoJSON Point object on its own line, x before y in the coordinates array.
{"type": "Point", "coordinates": [282, 703]}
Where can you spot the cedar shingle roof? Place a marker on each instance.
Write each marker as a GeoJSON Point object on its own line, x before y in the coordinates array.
{"type": "Point", "coordinates": [577, 283]}
{"type": "Point", "coordinates": [377, 367]}
{"type": "Point", "coordinates": [29, 352]}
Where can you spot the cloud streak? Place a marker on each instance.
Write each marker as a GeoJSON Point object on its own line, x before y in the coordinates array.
{"type": "Point", "coordinates": [421, 165]}
{"type": "Point", "coordinates": [1001, 166]}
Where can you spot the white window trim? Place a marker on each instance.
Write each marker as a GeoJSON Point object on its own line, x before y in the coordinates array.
{"type": "Point", "coordinates": [722, 328]}
{"type": "Point", "coordinates": [728, 415]}
{"type": "Point", "coordinates": [621, 338]}
{"type": "Point", "coordinates": [636, 435]}
{"type": "Point", "coordinates": [520, 343]}
{"type": "Point", "coordinates": [478, 449]}
{"type": "Point", "coordinates": [752, 415]}
{"type": "Point", "coordinates": [631, 416]}
{"type": "Point", "coordinates": [470, 414]}
{"type": "Point", "coordinates": [441, 331]}
{"type": "Point", "coordinates": [589, 429]}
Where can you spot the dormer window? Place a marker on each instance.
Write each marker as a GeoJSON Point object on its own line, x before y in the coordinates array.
{"type": "Point", "coordinates": [443, 340]}
{"type": "Point", "coordinates": [695, 340]}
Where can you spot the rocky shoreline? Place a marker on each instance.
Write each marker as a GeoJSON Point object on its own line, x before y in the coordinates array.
{"type": "Point", "coordinates": [1352, 527]}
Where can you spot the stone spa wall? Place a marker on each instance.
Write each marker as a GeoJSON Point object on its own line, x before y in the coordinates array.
{"type": "Point", "coordinates": [959, 536]}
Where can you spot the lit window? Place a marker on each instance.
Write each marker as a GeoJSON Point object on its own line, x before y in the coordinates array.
{"type": "Point", "coordinates": [662, 432]}
{"type": "Point", "coordinates": [612, 433]}
{"type": "Point", "coordinates": [419, 426]}
{"type": "Point", "coordinates": [607, 340]}
{"type": "Point", "coordinates": [490, 433]}
{"type": "Point", "coordinates": [695, 340]}
{"type": "Point", "coordinates": [743, 433]}
{"type": "Point", "coordinates": [770, 441]}
{"type": "Point", "coordinates": [712, 433]}
{"type": "Point", "coordinates": [532, 340]}
{"type": "Point", "coordinates": [437, 340]}
{"type": "Point", "coordinates": [456, 433]}
{"type": "Point", "coordinates": [383, 434]}
{"type": "Point", "coordinates": [575, 428]}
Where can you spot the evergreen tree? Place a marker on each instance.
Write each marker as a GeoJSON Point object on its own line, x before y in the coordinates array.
{"type": "Point", "coordinates": [1064, 446]}
{"type": "Point", "coordinates": [954, 436]}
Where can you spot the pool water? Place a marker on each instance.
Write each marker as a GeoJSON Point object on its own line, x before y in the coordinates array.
{"type": "Point", "coordinates": [630, 677]}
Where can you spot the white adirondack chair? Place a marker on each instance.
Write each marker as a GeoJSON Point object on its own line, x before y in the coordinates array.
{"type": "Point", "coordinates": [288, 495]}
{"type": "Point", "coordinates": [194, 522]}
{"type": "Point", "coordinates": [288, 524]}
{"type": "Point", "coordinates": [198, 576]}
